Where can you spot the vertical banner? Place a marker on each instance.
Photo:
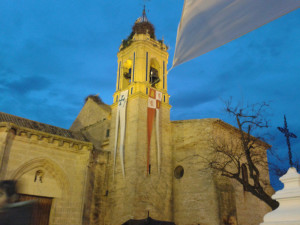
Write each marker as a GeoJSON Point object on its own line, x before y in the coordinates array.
{"type": "Point", "coordinates": [121, 122]}
{"type": "Point", "coordinates": [116, 139]}
{"type": "Point", "coordinates": [158, 103]}
{"type": "Point", "coordinates": [154, 102]}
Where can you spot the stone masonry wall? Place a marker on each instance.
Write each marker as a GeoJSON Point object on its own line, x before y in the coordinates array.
{"type": "Point", "coordinates": [194, 194]}
{"type": "Point", "coordinates": [249, 209]}
{"type": "Point", "coordinates": [97, 189]}
{"type": "Point", "coordinates": [200, 196]}
{"type": "Point", "coordinates": [64, 176]}
{"type": "Point", "coordinates": [138, 193]}
{"type": "Point", "coordinates": [90, 114]}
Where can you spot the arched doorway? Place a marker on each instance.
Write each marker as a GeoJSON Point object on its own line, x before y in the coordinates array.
{"type": "Point", "coordinates": [43, 181]}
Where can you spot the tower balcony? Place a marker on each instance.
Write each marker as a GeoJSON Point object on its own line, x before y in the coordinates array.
{"type": "Point", "coordinates": [142, 37]}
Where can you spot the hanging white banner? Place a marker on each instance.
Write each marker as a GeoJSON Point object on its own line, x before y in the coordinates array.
{"type": "Point", "coordinates": [208, 24]}
{"type": "Point", "coordinates": [120, 122]}
{"type": "Point", "coordinates": [158, 141]}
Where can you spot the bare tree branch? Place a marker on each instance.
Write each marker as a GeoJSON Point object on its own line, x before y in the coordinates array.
{"type": "Point", "coordinates": [243, 150]}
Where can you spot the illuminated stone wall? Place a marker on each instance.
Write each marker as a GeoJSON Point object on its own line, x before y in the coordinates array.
{"type": "Point", "coordinates": [200, 196]}
{"type": "Point", "coordinates": [48, 166]}
{"type": "Point", "coordinates": [138, 193]}
{"type": "Point", "coordinates": [194, 194]}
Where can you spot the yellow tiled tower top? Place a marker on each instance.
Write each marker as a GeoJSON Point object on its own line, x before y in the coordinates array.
{"type": "Point", "coordinates": [142, 62]}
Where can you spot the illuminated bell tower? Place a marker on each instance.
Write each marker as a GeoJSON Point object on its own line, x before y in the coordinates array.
{"type": "Point", "coordinates": [140, 184]}
{"type": "Point", "coordinates": [142, 61]}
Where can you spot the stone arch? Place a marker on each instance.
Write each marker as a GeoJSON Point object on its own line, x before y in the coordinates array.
{"type": "Point", "coordinates": [51, 167]}
{"type": "Point", "coordinates": [154, 63]}
{"type": "Point", "coordinates": [127, 73]}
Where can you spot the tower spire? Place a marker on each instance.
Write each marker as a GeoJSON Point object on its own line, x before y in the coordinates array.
{"type": "Point", "coordinates": [144, 17]}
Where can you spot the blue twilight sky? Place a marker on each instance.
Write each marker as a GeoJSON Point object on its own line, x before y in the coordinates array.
{"type": "Point", "coordinates": [55, 53]}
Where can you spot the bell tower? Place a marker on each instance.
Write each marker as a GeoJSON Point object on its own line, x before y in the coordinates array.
{"type": "Point", "coordinates": [142, 61]}
{"type": "Point", "coordinates": [140, 181]}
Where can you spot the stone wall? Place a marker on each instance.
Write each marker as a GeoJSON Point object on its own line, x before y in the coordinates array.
{"type": "Point", "coordinates": [99, 134]}
{"type": "Point", "coordinates": [200, 196]}
{"type": "Point", "coordinates": [63, 165]}
{"type": "Point", "coordinates": [247, 205]}
{"type": "Point", "coordinates": [91, 113]}
{"type": "Point", "coordinates": [138, 193]}
{"type": "Point", "coordinates": [97, 189]}
{"type": "Point", "coordinates": [194, 194]}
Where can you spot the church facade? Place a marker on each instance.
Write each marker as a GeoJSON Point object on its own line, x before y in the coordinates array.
{"type": "Point", "coordinates": [127, 163]}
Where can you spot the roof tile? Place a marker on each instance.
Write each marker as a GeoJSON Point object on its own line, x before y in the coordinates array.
{"type": "Point", "coordinates": [4, 117]}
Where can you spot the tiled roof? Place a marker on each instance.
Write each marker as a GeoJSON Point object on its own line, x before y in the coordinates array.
{"type": "Point", "coordinates": [22, 122]}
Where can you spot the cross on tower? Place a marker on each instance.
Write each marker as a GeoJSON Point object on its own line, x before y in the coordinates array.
{"type": "Point", "coordinates": [287, 134]}
{"type": "Point", "coordinates": [145, 1]}
{"type": "Point", "coordinates": [121, 100]}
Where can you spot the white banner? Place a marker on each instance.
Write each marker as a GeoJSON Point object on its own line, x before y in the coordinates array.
{"type": "Point", "coordinates": [208, 24]}
{"type": "Point", "coordinates": [158, 142]}
{"type": "Point", "coordinates": [121, 122]}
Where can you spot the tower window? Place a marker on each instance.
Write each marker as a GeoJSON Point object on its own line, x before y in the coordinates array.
{"type": "Point", "coordinates": [146, 66]}
{"type": "Point", "coordinates": [164, 74]}
{"type": "Point", "coordinates": [107, 133]}
{"type": "Point", "coordinates": [131, 90]}
{"type": "Point", "coordinates": [146, 91]}
{"type": "Point", "coordinates": [164, 98]}
{"type": "Point", "coordinates": [154, 78]}
{"type": "Point", "coordinates": [133, 66]}
{"type": "Point", "coordinates": [154, 72]}
{"type": "Point", "coordinates": [127, 73]}
{"type": "Point", "coordinates": [117, 98]}
{"type": "Point", "coordinates": [120, 64]}
{"type": "Point", "coordinates": [178, 172]}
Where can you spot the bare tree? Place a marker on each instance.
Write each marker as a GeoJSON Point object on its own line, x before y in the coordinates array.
{"type": "Point", "coordinates": [244, 158]}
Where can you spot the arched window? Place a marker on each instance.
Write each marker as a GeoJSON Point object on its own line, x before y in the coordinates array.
{"type": "Point", "coordinates": [154, 74]}
{"type": "Point", "coordinates": [244, 175]}
{"type": "Point", "coordinates": [127, 73]}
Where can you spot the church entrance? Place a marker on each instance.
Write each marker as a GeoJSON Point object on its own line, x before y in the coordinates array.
{"type": "Point", "coordinates": [41, 210]}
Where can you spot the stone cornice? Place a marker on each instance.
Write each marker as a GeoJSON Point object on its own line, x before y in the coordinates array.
{"type": "Point", "coordinates": [59, 141]}
{"type": "Point", "coordinates": [142, 95]}
{"type": "Point", "coordinates": [236, 130]}
{"type": "Point", "coordinates": [95, 124]}
{"type": "Point", "coordinates": [223, 124]}
{"type": "Point", "coordinates": [145, 40]}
